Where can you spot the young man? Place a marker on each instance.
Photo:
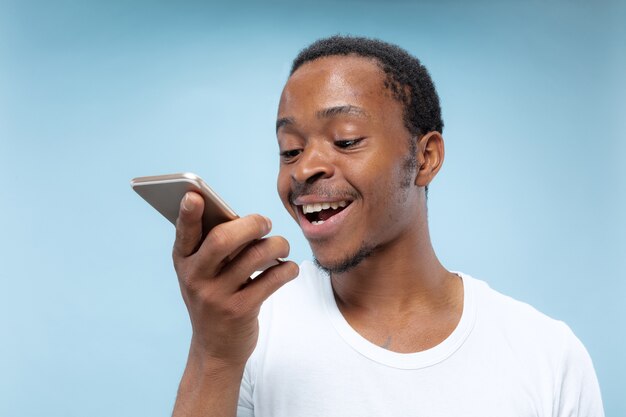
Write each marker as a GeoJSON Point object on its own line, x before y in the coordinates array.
{"type": "Point", "coordinates": [378, 326]}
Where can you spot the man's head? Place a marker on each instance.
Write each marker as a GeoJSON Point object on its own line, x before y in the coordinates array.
{"type": "Point", "coordinates": [407, 79]}
{"type": "Point", "coordinates": [360, 141]}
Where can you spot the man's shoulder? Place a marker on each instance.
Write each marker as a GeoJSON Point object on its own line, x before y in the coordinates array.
{"type": "Point", "coordinates": [539, 344]}
{"type": "Point", "coordinates": [512, 319]}
{"type": "Point", "coordinates": [508, 307]}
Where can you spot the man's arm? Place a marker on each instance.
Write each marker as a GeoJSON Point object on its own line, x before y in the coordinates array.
{"type": "Point", "coordinates": [208, 388]}
{"type": "Point", "coordinates": [223, 304]}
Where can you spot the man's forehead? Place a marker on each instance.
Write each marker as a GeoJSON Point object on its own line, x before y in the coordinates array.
{"type": "Point", "coordinates": [337, 69]}
{"type": "Point", "coordinates": [337, 80]}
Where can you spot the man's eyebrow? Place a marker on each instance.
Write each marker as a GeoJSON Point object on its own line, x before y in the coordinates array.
{"type": "Point", "coordinates": [337, 110]}
{"type": "Point", "coordinates": [284, 121]}
{"type": "Point", "coordinates": [327, 113]}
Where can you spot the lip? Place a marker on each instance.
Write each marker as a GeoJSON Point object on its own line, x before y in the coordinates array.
{"type": "Point", "coordinates": [325, 230]}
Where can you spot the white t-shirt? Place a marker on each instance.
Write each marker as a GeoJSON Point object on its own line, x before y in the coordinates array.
{"type": "Point", "coordinates": [503, 359]}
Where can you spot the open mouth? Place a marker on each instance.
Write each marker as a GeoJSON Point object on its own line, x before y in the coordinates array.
{"type": "Point", "coordinates": [318, 213]}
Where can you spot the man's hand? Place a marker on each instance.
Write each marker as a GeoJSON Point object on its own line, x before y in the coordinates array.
{"type": "Point", "coordinates": [223, 302]}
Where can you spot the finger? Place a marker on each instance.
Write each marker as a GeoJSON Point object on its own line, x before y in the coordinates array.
{"type": "Point", "coordinates": [257, 256]}
{"type": "Point", "coordinates": [225, 240]}
{"type": "Point", "coordinates": [264, 285]}
{"type": "Point", "coordinates": [189, 225]}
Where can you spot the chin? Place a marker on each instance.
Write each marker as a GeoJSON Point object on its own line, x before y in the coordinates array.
{"type": "Point", "coordinates": [345, 264]}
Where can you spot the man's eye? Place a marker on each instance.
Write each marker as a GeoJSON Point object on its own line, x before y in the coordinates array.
{"type": "Point", "coordinates": [347, 143]}
{"type": "Point", "coordinates": [292, 153]}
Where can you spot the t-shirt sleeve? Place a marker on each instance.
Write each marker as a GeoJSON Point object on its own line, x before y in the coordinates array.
{"type": "Point", "coordinates": [577, 390]}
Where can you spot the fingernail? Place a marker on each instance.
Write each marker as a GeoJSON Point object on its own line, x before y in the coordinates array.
{"type": "Point", "coordinates": [187, 203]}
{"type": "Point", "coordinates": [269, 223]}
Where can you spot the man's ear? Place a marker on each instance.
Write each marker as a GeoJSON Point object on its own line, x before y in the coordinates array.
{"type": "Point", "coordinates": [430, 154]}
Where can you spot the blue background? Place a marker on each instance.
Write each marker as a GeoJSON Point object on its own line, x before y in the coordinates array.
{"type": "Point", "coordinates": [531, 197]}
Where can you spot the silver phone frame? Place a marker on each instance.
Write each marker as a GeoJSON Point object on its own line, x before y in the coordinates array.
{"type": "Point", "coordinates": [165, 192]}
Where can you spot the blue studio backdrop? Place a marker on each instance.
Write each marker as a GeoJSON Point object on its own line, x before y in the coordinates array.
{"type": "Point", "coordinates": [531, 197]}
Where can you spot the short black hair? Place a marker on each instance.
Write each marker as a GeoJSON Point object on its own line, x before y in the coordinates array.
{"type": "Point", "coordinates": [407, 78]}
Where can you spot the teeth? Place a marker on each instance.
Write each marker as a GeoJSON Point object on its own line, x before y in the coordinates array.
{"type": "Point", "coordinates": [314, 208]}
{"type": "Point", "coordinates": [318, 222]}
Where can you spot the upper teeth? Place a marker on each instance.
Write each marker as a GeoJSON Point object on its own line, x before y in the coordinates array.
{"type": "Point", "coordinates": [312, 208]}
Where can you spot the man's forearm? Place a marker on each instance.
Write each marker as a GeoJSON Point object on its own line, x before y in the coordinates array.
{"type": "Point", "coordinates": [208, 389]}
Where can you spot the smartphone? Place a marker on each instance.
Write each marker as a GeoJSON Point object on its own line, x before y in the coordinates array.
{"type": "Point", "coordinates": [165, 192]}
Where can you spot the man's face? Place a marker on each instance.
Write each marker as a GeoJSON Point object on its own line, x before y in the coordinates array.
{"type": "Point", "coordinates": [346, 175]}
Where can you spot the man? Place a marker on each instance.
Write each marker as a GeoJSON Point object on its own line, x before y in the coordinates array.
{"type": "Point", "coordinates": [378, 326]}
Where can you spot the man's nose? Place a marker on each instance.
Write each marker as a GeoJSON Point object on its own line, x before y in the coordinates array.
{"type": "Point", "coordinates": [312, 165]}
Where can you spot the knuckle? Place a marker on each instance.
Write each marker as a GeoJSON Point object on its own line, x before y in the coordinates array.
{"type": "Point", "coordinates": [237, 306]}
{"type": "Point", "coordinates": [257, 252]}
{"type": "Point", "coordinates": [180, 231]}
{"type": "Point", "coordinates": [283, 273]}
{"type": "Point", "coordinates": [218, 237]}
{"type": "Point", "coordinates": [279, 275]}
{"type": "Point", "coordinates": [182, 220]}
{"type": "Point", "coordinates": [187, 283]}
{"type": "Point", "coordinates": [185, 275]}
{"type": "Point", "coordinates": [272, 277]}
{"type": "Point", "coordinates": [177, 251]}
{"type": "Point", "coordinates": [180, 241]}
{"type": "Point", "coordinates": [206, 294]}
{"type": "Point", "coordinates": [190, 280]}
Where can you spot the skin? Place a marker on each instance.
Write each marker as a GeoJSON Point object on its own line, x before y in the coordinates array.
{"type": "Point", "coordinates": [399, 296]}
{"type": "Point", "coordinates": [223, 304]}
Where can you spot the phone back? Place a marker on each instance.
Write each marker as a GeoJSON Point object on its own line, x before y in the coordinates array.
{"type": "Point", "coordinates": [165, 192]}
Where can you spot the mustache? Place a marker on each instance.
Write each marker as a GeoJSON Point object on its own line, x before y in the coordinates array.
{"type": "Point", "coordinates": [324, 191]}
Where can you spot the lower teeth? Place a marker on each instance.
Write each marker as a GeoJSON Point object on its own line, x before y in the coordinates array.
{"type": "Point", "coordinates": [317, 222]}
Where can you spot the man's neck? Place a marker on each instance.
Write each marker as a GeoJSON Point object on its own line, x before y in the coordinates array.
{"type": "Point", "coordinates": [397, 277]}
{"type": "Point", "coordinates": [401, 297]}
